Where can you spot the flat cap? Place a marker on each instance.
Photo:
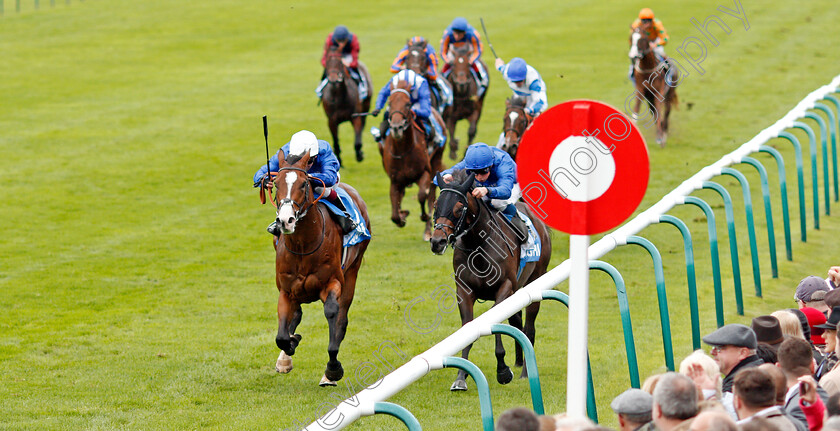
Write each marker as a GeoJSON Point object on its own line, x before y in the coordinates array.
{"type": "Point", "coordinates": [633, 402]}
{"type": "Point", "coordinates": [808, 286]}
{"type": "Point", "coordinates": [733, 334]}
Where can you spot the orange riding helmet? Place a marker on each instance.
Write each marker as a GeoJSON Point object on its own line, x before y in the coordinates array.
{"type": "Point", "coordinates": [646, 13]}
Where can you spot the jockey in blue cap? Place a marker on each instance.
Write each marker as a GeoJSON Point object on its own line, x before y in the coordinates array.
{"type": "Point", "coordinates": [525, 82]}
{"type": "Point", "coordinates": [458, 34]}
{"type": "Point", "coordinates": [347, 44]}
{"type": "Point", "coordinates": [322, 165]}
{"type": "Point", "coordinates": [495, 179]}
{"type": "Point", "coordinates": [421, 104]}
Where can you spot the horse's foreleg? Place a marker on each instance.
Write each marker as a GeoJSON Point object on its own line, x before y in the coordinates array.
{"type": "Point", "coordinates": [337, 322]}
{"type": "Point", "coordinates": [453, 142]}
{"type": "Point", "coordinates": [503, 373]}
{"type": "Point", "coordinates": [466, 309]}
{"type": "Point", "coordinates": [358, 127]}
{"type": "Point", "coordinates": [284, 339]}
{"type": "Point", "coordinates": [333, 123]}
{"type": "Point", "coordinates": [397, 215]}
{"type": "Point", "coordinates": [423, 193]}
{"type": "Point", "coordinates": [531, 312]}
{"type": "Point", "coordinates": [430, 201]}
{"type": "Point", "coordinates": [516, 322]}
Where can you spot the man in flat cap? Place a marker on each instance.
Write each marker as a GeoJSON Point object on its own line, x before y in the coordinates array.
{"type": "Point", "coordinates": [733, 347]}
{"type": "Point", "coordinates": [634, 407]}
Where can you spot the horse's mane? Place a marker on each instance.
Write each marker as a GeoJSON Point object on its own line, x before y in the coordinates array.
{"type": "Point", "coordinates": [418, 45]}
{"type": "Point", "coordinates": [517, 102]}
{"type": "Point", "coordinates": [461, 50]}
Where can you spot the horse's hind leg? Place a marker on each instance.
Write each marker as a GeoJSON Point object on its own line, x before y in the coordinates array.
{"type": "Point", "coordinates": [284, 364]}
{"type": "Point", "coordinates": [503, 373]}
{"type": "Point", "coordinates": [397, 215]}
{"type": "Point", "coordinates": [473, 119]}
{"type": "Point", "coordinates": [466, 309]}
{"type": "Point", "coordinates": [358, 126]}
{"type": "Point", "coordinates": [516, 322]}
{"type": "Point", "coordinates": [450, 125]}
{"type": "Point", "coordinates": [333, 123]}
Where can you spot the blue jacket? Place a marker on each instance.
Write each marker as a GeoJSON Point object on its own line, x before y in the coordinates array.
{"type": "Point", "coordinates": [502, 175]}
{"type": "Point", "coordinates": [325, 167]}
{"type": "Point", "coordinates": [421, 97]}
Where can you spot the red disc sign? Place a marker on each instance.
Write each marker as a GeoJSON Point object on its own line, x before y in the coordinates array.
{"type": "Point", "coordinates": [583, 167]}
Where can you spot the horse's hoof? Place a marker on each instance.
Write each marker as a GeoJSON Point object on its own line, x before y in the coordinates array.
{"type": "Point", "coordinates": [327, 382]}
{"type": "Point", "coordinates": [284, 363]}
{"type": "Point", "coordinates": [524, 374]}
{"type": "Point", "coordinates": [360, 155]}
{"type": "Point", "coordinates": [504, 376]}
{"type": "Point", "coordinates": [458, 386]}
{"type": "Point", "coordinates": [424, 217]}
{"type": "Point", "coordinates": [334, 374]}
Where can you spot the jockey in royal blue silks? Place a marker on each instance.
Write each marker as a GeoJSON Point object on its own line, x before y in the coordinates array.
{"type": "Point", "coordinates": [322, 165]}
{"type": "Point", "coordinates": [495, 179]}
{"type": "Point", "coordinates": [421, 103]}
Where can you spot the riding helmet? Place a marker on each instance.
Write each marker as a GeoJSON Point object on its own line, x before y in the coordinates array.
{"type": "Point", "coordinates": [459, 24]}
{"type": "Point", "coordinates": [416, 40]}
{"type": "Point", "coordinates": [517, 69]}
{"type": "Point", "coordinates": [302, 142]}
{"type": "Point", "coordinates": [341, 33]}
{"type": "Point", "coordinates": [646, 13]}
{"type": "Point", "coordinates": [479, 156]}
{"type": "Point", "coordinates": [407, 75]}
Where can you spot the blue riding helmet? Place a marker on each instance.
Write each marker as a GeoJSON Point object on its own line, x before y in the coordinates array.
{"type": "Point", "coordinates": [459, 24]}
{"type": "Point", "coordinates": [341, 33]}
{"type": "Point", "coordinates": [479, 156]}
{"type": "Point", "coordinates": [517, 69]}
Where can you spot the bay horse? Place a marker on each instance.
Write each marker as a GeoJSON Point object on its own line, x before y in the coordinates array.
{"type": "Point", "coordinates": [489, 249]}
{"type": "Point", "coordinates": [407, 159]}
{"type": "Point", "coordinates": [466, 104]}
{"type": "Point", "coordinates": [309, 263]}
{"type": "Point", "coordinates": [515, 121]}
{"type": "Point", "coordinates": [655, 83]}
{"type": "Point", "coordinates": [341, 100]}
{"type": "Point", "coordinates": [419, 63]}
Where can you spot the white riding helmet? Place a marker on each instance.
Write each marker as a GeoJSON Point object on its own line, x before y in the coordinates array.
{"type": "Point", "coordinates": [302, 142]}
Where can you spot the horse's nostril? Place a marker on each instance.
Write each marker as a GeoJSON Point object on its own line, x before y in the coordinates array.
{"type": "Point", "coordinates": [290, 220]}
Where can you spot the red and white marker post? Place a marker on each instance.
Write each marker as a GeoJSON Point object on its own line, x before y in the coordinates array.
{"type": "Point", "coordinates": [583, 169]}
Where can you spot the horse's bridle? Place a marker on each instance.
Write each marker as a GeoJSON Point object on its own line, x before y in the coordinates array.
{"type": "Point", "coordinates": [458, 229]}
{"type": "Point", "coordinates": [405, 113]}
{"type": "Point", "coordinates": [341, 73]}
{"type": "Point", "coordinates": [513, 129]}
{"type": "Point", "coordinates": [300, 210]}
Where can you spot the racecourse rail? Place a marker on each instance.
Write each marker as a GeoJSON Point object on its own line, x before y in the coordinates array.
{"type": "Point", "coordinates": [371, 401]}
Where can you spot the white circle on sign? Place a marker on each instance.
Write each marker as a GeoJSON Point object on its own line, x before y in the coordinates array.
{"type": "Point", "coordinates": [575, 162]}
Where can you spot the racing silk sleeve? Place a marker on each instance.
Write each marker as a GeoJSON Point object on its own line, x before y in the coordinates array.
{"type": "Point", "coordinates": [423, 106]}
{"type": "Point", "coordinates": [661, 33]}
{"type": "Point", "coordinates": [397, 65]}
{"type": "Point", "coordinates": [354, 51]}
{"type": "Point", "coordinates": [326, 167]}
{"type": "Point", "coordinates": [273, 164]}
{"type": "Point", "coordinates": [383, 96]}
{"type": "Point", "coordinates": [433, 63]}
{"type": "Point", "coordinates": [505, 170]}
{"type": "Point", "coordinates": [537, 100]}
{"type": "Point", "coordinates": [444, 44]}
{"type": "Point", "coordinates": [326, 50]}
{"type": "Point", "coordinates": [475, 41]}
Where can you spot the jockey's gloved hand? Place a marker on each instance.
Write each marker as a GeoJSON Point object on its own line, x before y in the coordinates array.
{"type": "Point", "coordinates": [375, 112]}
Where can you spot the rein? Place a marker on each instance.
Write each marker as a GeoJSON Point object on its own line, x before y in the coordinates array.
{"type": "Point", "coordinates": [457, 230]}
{"type": "Point", "coordinates": [406, 114]}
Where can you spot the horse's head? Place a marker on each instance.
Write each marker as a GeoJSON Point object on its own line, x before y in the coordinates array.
{"type": "Point", "coordinates": [461, 76]}
{"type": "Point", "coordinates": [416, 59]}
{"type": "Point", "coordinates": [400, 115]}
{"type": "Point", "coordinates": [294, 193]}
{"type": "Point", "coordinates": [334, 68]}
{"type": "Point", "coordinates": [455, 210]}
{"type": "Point", "coordinates": [515, 123]}
{"type": "Point", "coordinates": [639, 44]}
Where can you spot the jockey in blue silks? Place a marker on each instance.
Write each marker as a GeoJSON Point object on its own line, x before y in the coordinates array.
{"type": "Point", "coordinates": [495, 179]}
{"type": "Point", "coordinates": [421, 102]}
{"type": "Point", "coordinates": [322, 165]}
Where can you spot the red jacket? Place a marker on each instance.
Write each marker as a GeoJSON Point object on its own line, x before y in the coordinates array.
{"type": "Point", "coordinates": [352, 49]}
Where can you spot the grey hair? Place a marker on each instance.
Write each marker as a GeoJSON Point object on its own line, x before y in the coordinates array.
{"type": "Point", "coordinates": [676, 396]}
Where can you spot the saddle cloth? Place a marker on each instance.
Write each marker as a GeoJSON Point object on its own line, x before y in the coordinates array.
{"type": "Point", "coordinates": [530, 250]}
{"type": "Point", "coordinates": [361, 233]}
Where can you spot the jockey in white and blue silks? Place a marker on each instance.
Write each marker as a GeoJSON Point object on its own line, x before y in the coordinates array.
{"type": "Point", "coordinates": [495, 177]}
{"type": "Point", "coordinates": [525, 82]}
{"type": "Point", "coordinates": [421, 101]}
{"type": "Point", "coordinates": [322, 165]}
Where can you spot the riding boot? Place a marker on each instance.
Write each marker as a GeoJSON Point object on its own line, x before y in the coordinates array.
{"type": "Point", "coordinates": [519, 225]}
{"type": "Point", "coordinates": [344, 221]}
{"type": "Point", "coordinates": [274, 229]}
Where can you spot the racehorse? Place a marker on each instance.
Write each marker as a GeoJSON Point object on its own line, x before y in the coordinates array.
{"type": "Point", "coordinates": [466, 103]}
{"type": "Point", "coordinates": [486, 260]}
{"type": "Point", "coordinates": [309, 263]}
{"type": "Point", "coordinates": [407, 159]}
{"type": "Point", "coordinates": [340, 98]}
{"type": "Point", "coordinates": [515, 122]}
{"type": "Point", "coordinates": [655, 82]}
{"type": "Point", "coordinates": [419, 63]}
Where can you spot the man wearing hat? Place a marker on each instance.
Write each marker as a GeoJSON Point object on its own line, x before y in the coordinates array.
{"type": "Point", "coordinates": [830, 337]}
{"type": "Point", "coordinates": [768, 334]}
{"type": "Point", "coordinates": [634, 407]}
{"type": "Point", "coordinates": [805, 291]}
{"type": "Point", "coordinates": [733, 347]}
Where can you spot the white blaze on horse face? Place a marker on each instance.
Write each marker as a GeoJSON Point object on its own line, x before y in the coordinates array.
{"type": "Point", "coordinates": [634, 50]}
{"type": "Point", "coordinates": [513, 116]}
{"type": "Point", "coordinates": [573, 159]}
{"type": "Point", "coordinates": [287, 211]}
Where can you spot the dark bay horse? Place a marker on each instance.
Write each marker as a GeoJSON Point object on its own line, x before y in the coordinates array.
{"type": "Point", "coordinates": [309, 264]}
{"type": "Point", "coordinates": [466, 104]}
{"type": "Point", "coordinates": [408, 159]}
{"type": "Point", "coordinates": [516, 120]}
{"type": "Point", "coordinates": [486, 249]}
{"type": "Point", "coordinates": [341, 100]}
{"type": "Point", "coordinates": [419, 63]}
{"type": "Point", "coordinates": [655, 83]}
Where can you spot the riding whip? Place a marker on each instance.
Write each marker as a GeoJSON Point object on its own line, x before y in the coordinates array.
{"type": "Point", "coordinates": [267, 157]}
{"type": "Point", "coordinates": [488, 38]}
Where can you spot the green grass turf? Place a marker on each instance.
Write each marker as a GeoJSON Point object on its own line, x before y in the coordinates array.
{"type": "Point", "coordinates": [136, 280]}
